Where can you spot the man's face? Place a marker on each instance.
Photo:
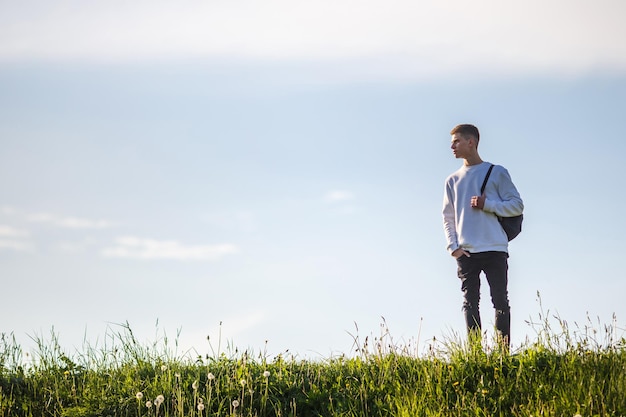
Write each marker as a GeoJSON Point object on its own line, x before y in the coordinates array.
{"type": "Point", "coordinates": [460, 146]}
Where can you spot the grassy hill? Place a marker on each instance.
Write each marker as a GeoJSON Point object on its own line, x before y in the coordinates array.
{"type": "Point", "coordinates": [562, 373]}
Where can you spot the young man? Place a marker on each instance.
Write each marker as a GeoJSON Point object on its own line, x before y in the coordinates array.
{"type": "Point", "coordinates": [475, 238]}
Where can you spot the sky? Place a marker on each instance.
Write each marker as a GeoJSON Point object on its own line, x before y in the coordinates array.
{"type": "Point", "coordinates": [270, 174]}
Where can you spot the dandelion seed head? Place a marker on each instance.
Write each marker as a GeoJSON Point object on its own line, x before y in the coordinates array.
{"type": "Point", "coordinates": [235, 403]}
{"type": "Point", "coordinates": [139, 395]}
{"type": "Point", "coordinates": [242, 382]}
{"type": "Point", "coordinates": [200, 406]}
{"type": "Point", "coordinates": [163, 368]}
{"type": "Point", "coordinates": [266, 374]}
{"type": "Point", "coordinates": [148, 404]}
{"type": "Point", "coordinates": [194, 385]}
{"type": "Point", "coordinates": [210, 376]}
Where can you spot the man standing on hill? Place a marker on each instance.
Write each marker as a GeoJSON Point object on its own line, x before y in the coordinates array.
{"type": "Point", "coordinates": [475, 238]}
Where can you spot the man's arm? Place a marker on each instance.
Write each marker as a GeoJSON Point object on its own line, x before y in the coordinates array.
{"type": "Point", "coordinates": [449, 224]}
{"type": "Point", "coordinates": [510, 203]}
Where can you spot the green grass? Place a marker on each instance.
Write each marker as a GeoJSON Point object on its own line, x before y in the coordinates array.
{"type": "Point", "coordinates": [563, 372]}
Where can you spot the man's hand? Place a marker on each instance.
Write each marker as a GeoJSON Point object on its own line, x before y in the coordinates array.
{"type": "Point", "coordinates": [478, 201]}
{"type": "Point", "coordinates": [460, 252]}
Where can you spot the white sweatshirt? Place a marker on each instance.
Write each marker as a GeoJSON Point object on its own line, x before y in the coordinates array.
{"type": "Point", "coordinates": [473, 229]}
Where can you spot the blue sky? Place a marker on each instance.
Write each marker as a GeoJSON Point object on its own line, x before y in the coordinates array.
{"type": "Point", "coordinates": [279, 167]}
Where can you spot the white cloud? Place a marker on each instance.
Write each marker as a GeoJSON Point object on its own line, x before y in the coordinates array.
{"type": "Point", "coordinates": [69, 222]}
{"type": "Point", "coordinates": [7, 210]}
{"type": "Point", "coordinates": [147, 249]}
{"type": "Point", "coordinates": [12, 232]}
{"type": "Point", "coordinates": [14, 244]}
{"type": "Point", "coordinates": [15, 239]}
{"type": "Point", "coordinates": [339, 200]}
{"type": "Point", "coordinates": [75, 247]}
{"type": "Point", "coordinates": [394, 37]}
{"type": "Point", "coordinates": [21, 239]}
{"type": "Point", "coordinates": [338, 195]}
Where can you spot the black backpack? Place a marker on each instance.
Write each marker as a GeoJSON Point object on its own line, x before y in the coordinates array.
{"type": "Point", "coordinates": [512, 225]}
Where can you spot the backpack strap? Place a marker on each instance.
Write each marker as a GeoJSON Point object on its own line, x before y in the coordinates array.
{"type": "Point", "coordinates": [482, 189]}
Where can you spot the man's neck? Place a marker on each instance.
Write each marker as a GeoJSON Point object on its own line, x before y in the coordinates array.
{"type": "Point", "coordinates": [472, 160]}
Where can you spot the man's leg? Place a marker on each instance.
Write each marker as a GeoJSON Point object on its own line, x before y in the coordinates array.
{"type": "Point", "coordinates": [469, 273]}
{"type": "Point", "coordinates": [496, 270]}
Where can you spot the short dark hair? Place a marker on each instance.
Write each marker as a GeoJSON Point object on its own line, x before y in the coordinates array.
{"type": "Point", "coordinates": [466, 130]}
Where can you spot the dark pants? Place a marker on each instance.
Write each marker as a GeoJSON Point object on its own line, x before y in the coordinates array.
{"type": "Point", "coordinates": [495, 266]}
